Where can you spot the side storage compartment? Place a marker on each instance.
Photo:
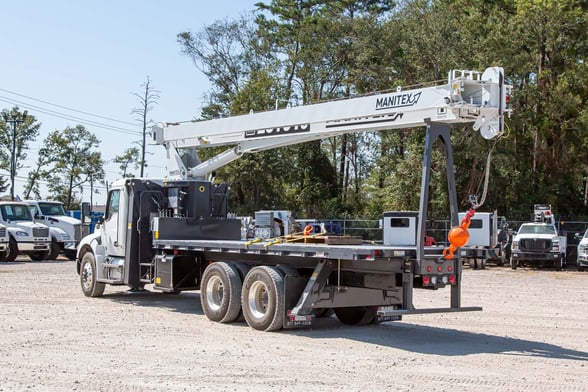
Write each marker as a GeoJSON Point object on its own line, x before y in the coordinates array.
{"type": "Point", "coordinates": [174, 273]}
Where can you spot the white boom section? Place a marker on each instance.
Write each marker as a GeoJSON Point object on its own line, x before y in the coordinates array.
{"type": "Point", "coordinates": [469, 96]}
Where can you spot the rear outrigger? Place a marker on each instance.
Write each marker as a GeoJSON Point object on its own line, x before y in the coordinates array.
{"type": "Point", "coordinates": [178, 235]}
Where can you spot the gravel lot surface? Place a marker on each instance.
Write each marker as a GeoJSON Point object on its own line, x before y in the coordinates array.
{"type": "Point", "coordinates": [531, 336]}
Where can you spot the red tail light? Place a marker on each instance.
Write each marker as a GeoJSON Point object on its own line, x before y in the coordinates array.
{"type": "Point", "coordinates": [426, 280]}
{"type": "Point", "coordinates": [452, 279]}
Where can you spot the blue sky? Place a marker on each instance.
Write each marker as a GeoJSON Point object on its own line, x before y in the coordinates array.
{"type": "Point", "coordinates": [92, 55]}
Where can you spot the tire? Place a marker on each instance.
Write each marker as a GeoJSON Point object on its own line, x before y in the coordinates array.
{"type": "Point", "coordinates": [243, 269]}
{"type": "Point", "coordinates": [580, 269]}
{"type": "Point", "coordinates": [3, 256]}
{"type": "Point", "coordinates": [361, 315]}
{"type": "Point", "coordinates": [220, 292]}
{"type": "Point", "coordinates": [12, 251]}
{"type": "Point", "coordinates": [513, 264]}
{"type": "Point", "coordinates": [90, 287]}
{"type": "Point", "coordinates": [262, 298]}
{"type": "Point", "coordinates": [480, 264]}
{"type": "Point", "coordinates": [473, 264]}
{"type": "Point", "coordinates": [39, 256]}
{"type": "Point", "coordinates": [54, 250]}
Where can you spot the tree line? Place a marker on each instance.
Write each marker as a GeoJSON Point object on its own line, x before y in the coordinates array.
{"type": "Point", "coordinates": [69, 160]}
{"type": "Point", "coordinates": [297, 52]}
{"type": "Point", "coordinates": [300, 52]}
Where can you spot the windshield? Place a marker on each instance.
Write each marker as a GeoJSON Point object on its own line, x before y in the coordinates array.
{"type": "Point", "coordinates": [51, 209]}
{"type": "Point", "coordinates": [15, 212]}
{"type": "Point", "coordinates": [537, 229]}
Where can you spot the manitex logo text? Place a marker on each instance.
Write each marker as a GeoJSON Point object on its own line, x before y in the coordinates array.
{"type": "Point", "coordinates": [397, 100]}
{"type": "Point", "coordinates": [278, 131]}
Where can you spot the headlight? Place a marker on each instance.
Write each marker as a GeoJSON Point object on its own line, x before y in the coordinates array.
{"type": "Point", "coordinates": [22, 234]}
{"type": "Point", "coordinates": [65, 237]}
{"type": "Point", "coordinates": [515, 245]}
{"type": "Point", "coordinates": [555, 245]}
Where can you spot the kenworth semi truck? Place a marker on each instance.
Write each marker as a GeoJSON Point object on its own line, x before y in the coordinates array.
{"type": "Point", "coordinates": [177, 234]}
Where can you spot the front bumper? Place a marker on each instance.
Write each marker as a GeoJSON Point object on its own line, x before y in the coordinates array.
{"type": "Point", "coordinates": [33, 246]}
{"type": "Point", "coordinates": [518, 255]}
{"type": "Point", "coordinates": [582, 260]}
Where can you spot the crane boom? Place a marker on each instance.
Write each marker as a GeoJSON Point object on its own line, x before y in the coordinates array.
{"type": "Point", "coordinates": [469, 96]}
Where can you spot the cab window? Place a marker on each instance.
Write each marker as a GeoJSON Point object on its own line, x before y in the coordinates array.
{"type": "Point", "coordinates": [113, 203]}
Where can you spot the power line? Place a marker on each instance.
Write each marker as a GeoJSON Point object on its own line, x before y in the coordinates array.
{"type": "Point", "coordinates": [67, 108]}
{"type": "Point", "coordinates": [72, 118]}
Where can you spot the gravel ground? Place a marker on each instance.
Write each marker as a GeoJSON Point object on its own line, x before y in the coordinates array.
{"type": "Point", "coordinates": [531, 336]}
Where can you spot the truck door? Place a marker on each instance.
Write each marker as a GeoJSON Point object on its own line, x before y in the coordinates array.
{"type": "Point", "coordinates": [115, 223]}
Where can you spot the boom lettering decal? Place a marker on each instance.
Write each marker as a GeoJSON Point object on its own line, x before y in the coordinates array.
{"type": "Point", "coordinates": [398, 100]}
{"type": "Point", "coordinates": [367, 121]}
{"type": "Point", "coordinates": [301, 128]}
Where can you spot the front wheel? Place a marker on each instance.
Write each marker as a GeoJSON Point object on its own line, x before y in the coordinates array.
{"type": "Point", "coordinates": [54, 250]}
{"type": "Point", "coordinates": [514, 263]}
{"type": "Point", "coordinates": [90, 287]}
{"type": "Point", "coordinates": [12, 251]}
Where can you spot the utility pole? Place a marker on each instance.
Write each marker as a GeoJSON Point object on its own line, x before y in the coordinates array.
{"type": "Point", "coordinates": [15, 120]}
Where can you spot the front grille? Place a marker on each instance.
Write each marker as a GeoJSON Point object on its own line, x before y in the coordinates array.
{"type": "Point", "coordinates": [77, 232]}
{"type": "Point", "coordinates": [535, 244]}
{"type": "Point", "coordinates": [40, 232]}
{"type": "Point", "coordinates": [3, 232]}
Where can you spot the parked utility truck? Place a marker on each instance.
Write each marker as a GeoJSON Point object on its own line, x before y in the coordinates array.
{"type": "Point", "coordinates": [26, 236]}
{"type": "Point", "coordinates": [65, 231]}
{"type": "Point", "coordinates": [538, 243]}
{"type": "Point", "coordinates": [177, 233]}
{"type": "Point", "coordinates": [582, 260]}
{"type": "Point", "coordinates": [488, 240]}
{"type": "Point", "coordinates": [4, 242]}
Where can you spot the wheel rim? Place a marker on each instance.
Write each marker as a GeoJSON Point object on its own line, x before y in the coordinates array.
{"type": "Point", "coordinates": [258, 299]}
{"type": "Point", "coordinates": [87, 276]}
{"type": "Point", "coordinates": [214, 293]}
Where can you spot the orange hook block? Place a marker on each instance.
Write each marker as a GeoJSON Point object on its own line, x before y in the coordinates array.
{"type": "Point", "coordinates": [459, 235]}
{"type": "Point", "coordinates": [308, 229]}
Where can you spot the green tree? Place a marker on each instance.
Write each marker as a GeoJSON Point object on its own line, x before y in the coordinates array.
{"type": "Point", "coordinates": [130, 158]}
{"type": "Point", "coordinates": [17, 130]}
{"type": "Point", "coordinates": [75, 162]}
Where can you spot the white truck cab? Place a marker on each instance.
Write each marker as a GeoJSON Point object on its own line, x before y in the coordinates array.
{"type": "Point", "coordinates": [4, 240]}
{"type": "Point", "coordinates": [65, 231]}
{"type": "Point", "coordinates": [26, 235]}
{"type": "Point", "coordinates": [583, 252]}
{"type": "Point", "coordinates": [538, 242]}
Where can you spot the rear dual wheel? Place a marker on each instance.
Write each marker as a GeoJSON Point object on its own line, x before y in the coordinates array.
{"type": "Point", "coordinates": [230, 291]}
{"type": "Point", "coordinates": [262, 298]}
{"type": "Point", "coordinates": [220, 292]}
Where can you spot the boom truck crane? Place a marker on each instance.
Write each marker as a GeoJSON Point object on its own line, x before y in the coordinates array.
{"type": "Point", "coordinates": [176, 234]}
